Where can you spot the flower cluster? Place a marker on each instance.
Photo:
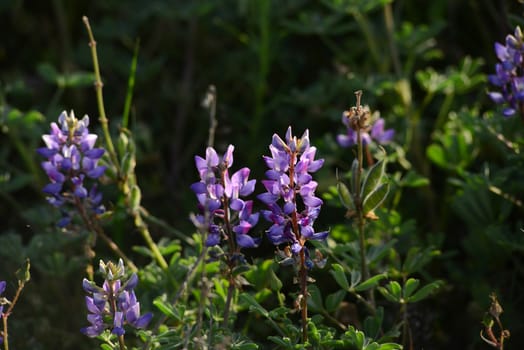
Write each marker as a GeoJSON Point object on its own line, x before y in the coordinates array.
{"type": "Point", "coordinates": [367, 133]}
{"type": "Point", "coordinates": [70, 158]}
{"type": "Point", "coordinates": [220, 200]}
{"type": "Point", "coordinates": [2, 289]}
{"type": "Point", "coordinates": [509, 76]}
{"type": "Point", "coordinates": [289, 180]}
{"type": "Point", "coordinates": [114, 304]}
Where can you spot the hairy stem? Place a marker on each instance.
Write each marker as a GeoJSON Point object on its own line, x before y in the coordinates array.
{"type": "Point", "coordinates": [359, 202]}
{"type": "Point", "coordinates": [99, 96]}
{"type": "Point", "coordinates": [99, 232]}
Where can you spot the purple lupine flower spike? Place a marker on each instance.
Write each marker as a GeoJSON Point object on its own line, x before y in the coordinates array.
{"type": "Point", "coordinates": [290, 191]}
{"type": "Point", "coordinates": [71, 158]}
{"type": "Point", "coordinates": [216, 189]}
{"type": "Point", "coordinates": [114, 304]}
{"type": "Point", "coordinates": [509, 74]}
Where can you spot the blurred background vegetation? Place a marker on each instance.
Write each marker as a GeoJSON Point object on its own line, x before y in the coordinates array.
{"type": "Point", "coordinates": [274, 64]}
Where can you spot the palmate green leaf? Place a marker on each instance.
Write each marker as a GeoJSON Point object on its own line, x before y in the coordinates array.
{"type": "Point", "coordinates": [375, 198]}
{"type": "Point", "coordinates": [409, 287]}
{"type": "Point", "coordinates": [392, 292]}
{"type": "Point", "coordinates": [253, 304]}
{"type": "Point", "coordinates": [166, 308]}
{"type": "Point", "coordinates": [315, 298]}
{"type": "Point", "coordinates": [333, 300]}
{"type": "Point", "coordinates": [425, 291]}
{"type": "Point", "coordinates": [373, 178]}
{"type": "Point", "coordinates": [340, 276]}
{"type": "Point", "coordinates": [370, 283]}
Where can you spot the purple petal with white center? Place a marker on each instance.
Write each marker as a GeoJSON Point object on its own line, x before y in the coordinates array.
{"type": "Point", "coordinates": [228, 156]}
{"type": "Point", "coordinates": [88, 142]}
{"type": "Point", "coordinates": [211, 157]}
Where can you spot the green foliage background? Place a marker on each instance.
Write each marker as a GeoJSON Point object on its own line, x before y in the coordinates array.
{"type": "Point", "coordinates": [274, 64]}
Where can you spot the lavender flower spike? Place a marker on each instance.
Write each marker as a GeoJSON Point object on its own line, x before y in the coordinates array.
{"type": "Point", "coordinates": [71, 158]}
{"type": "Point", "coordinates": [224, 211]}
{"type": "Point", "coordinates": [509, 74]}
{"type": "Point", "coordinates": [114, 304]}
{"type": "Point", "coordinates": [290, 191]}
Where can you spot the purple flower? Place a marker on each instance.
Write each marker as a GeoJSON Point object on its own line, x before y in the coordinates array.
{"type": "Point", "coordinates": [290, 191]}
{"type": "Point", "coordinates": [509, 74]}
{"type": "Point", "coordinates": [114, 304]}
{"type": "Point", "coordinates": [376, 132]}
{"type": "Point", "coordinates": [71, 158]}
{"type": "Point", "coordinates": [224, 212]}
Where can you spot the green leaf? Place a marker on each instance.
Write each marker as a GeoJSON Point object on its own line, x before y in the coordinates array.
{"type": "Point", "coordinates": [315, 299]}
{"type": "Point", "coordinates": [370, 283]}
{"type": "Point", "coordinates": [253, 304]}
{"type": "Point", "coordinates": [373, 178]}
{"type": "Point", "coordinates": [136, 197]}
{"type": "Point", "coordinates": [410, 286]}
{"type": "Point", "coordinates": [387, 294]}
{"type": "Point", "coordinates": [166, 308]}
{"type": "Point", "coordinates": [48, 72]}
{"type": "Point", "coordinates": [345, 196]}
{"type": "Point", "coordinates": [412, 179]}
{"type": "Point", "coordinates": [375, 198]}
{"type": "Point", "coordinates": [356, 277]}
{"type": "Point", "coordinates": [240, 269]}
{"type": "Point", "coordinates": [425, 291]}
{"type": "Point", "coordinates": [436, 154]}
{"type": "Point", "coordinates": [354, 175]}
{"type": "Point", "coordinates": [333, 300]}
{"type": "Point", "coordinates": [105, 347]}
{"type": "Point", "coordinates": [23, 274]}
{"type": "Point", "coordinates": [78, 79]}
{"type": "Point", "coordinates": [340, 276]}
{"type": "Point", "coordinates": [390, 346]}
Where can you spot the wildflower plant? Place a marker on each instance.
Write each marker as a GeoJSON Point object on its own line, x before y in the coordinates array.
{"type": "Point", "coordinates": [293, 205]}
{"type": "Point", "coordinates": [113, 305]}
{"type": "Point", "coordinates": [71, 159]}
{"type": "Point", "coordinates": [509, 74]}
{"type": "Point", "coordinates": [225, 215]}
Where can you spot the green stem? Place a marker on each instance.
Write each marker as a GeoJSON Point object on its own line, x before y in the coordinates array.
{"type": "Point", "coordinates": [146, 235]}
{"type": "Point", "coordinates": [100, 98]}
{"type": "Point", "coordinates": [230, 292]}
{"type": "Point", "coordinates": [390, 26]}
{"type": "Point", "coordinates": [130, 86]}
{"type": "Point", "coordinates": [4, 334]}
{"type": "Point", "coordinates": [359, 201]}
{"type": "Point", "coordinates": [121, 342]}
{"type": "Point", "coordinates": [7, 313]}
{"type": "Point", "coordinates": [99, 232]}
{"type": "Point", "coordinates": [363, 23]}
